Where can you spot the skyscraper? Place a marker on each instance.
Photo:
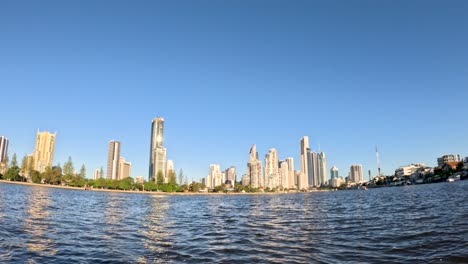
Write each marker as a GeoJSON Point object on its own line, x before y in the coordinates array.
{"type": "Point", "coordinates": [214, 177]}
{"type": "Point", "coordinates": [157, 162]}
{"type": "Point", "coordinates": [3, 149]}
{"type": "Point", "coordinates": [322, 165]}
{"type": "Point", "coordinates": [97, 174]}
{"type": "Point", "coordinates": [284, 174]}
{"type": "Point", "coordinates": [113, 159]}
{"type": "Point", "coordinates": [291, 180]}
{"type": "Point", "coordinates": [355, 173]}
{"type": "Point", "coordinates": [125, 168]}
{"type": "Point", "coordinates": [334, 172]}
{"type": "Point", "coordinates": [271, 169]}
{"type": "Point", "coordinates": [254, 168]}
{"type": "Point", "coordinates": [303, 181]}
{"type": "Point", "coordinates": [44, 150]}
{"type": "Point", "coordinates": [231, 175]}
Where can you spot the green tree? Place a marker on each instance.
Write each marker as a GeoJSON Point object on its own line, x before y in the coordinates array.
{"type": "Point", "coordinates": [12, 173]}
{"type": "Point", "coordinates": [56, 175]}
{"type": "Point", "coordinates": [24, 165]}
{"type": "Point", "coordinates": [35, 176]}
{"type": "Point", "coordinates": [126, 184]}
{"type": "Point", "coordinates": [172, 178]}
{"type": "Point", "coordinates": [14, 162]}
{"type": "Point", "coordinates": [83, 171]}
{"type": "Point", "coordinates": [47, 175]}
{"type": "Point", "coordinates": [160, 178]}
{"type": "Point", "coordinates": [100, 183]}
{"type": "Point", "coordinates": [68, 168]}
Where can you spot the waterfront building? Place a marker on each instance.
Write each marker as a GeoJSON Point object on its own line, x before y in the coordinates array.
{"type": "Point", "coordinates": [245, 180]}
{"type": "Point", "coordinates": [303, 182]}
{"type": "Point", "coordinates": [113, 159]}
{"type": "Point", "coordinates": [230, 175]}
{"type": "Point", "coordinates": [157, 162]}
{"type": "Point", "coordinates": [284, 174]}
{"type": "Point", "coordinates": [271, 169]}
{"type": "Point", "coordinates": [317, 165]}
{"type": "Point", "coordinates": [125, 168]}
{"type": "Point", "coordinates": [448, 158]}
{"type": "Point", "coordinates": [169, 168]}
{"type": "Point", "coordinates": [43, 155]}
{"type": "Point", "coordinates": [408, 170]}
{"type": "Point", "coordinates": [140, 179]}
{"type": "Point", "coordinates": [254, 168]}
{"type": "Point", "coordinates": [312, 165]}
{"type": "Point", "coordinates": [97, 174]}
{"type": "Point", "coordinates": [334, 172]}
{"type": "Point", "coordinates": [355, 173]}
{"type": "Point", "coordinates": [214, 177]}
{"type": "Point", "coordinates": [336, 182]}
{"type": "Point", "coordinates": [3, 149]}
{"type": "Point", "coordinates": [465, 163]}
{"type": "Point", "coordinates": [292, 180]}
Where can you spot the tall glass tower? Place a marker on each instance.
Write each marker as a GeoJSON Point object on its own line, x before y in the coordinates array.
{"type": "Point", "coordinates": [157, 161]}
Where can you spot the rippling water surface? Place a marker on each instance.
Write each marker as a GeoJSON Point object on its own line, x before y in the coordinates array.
{"type": "Point", "coordinates": [414, 224]}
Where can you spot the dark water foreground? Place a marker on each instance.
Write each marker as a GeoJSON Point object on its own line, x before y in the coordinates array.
{"type": "Point", "coordinates": [413, 224]}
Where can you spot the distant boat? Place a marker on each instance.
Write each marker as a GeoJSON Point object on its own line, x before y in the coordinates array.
{"type": "Point", "coordinates": [453, 178]}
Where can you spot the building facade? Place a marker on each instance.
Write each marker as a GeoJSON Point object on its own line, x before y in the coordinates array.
{"type": "Point", "coordinates": [448, 158]}
{"type": "Point", "coordinates": [254, 168]}
{"type": "Point", "coordinates": [303, 181]}
{"type": "Point", "coordinates": [284, 174]}
{"type": "Point", "coordinates": [3, 149]}
{"type": "Point", "coordinates": [292, 179]}
{"type": "Point", "coordinates": [43, 155]}
{"type": "Point", "coordinates": [271, 169]}
{"type": "Point", "coordinates": [157, 161]}
{"type": "Point", "coordinates": [125, 168]}
{"type": "Point", "coordinates": [169, 168]}
{"type": "Point", "coordinates": [355, 173]}
{"type": "Point", "coordinates": [230, 175]}
{"type": "Point", "coordinates": [408, 170]}
{"type": "Point", "coordinates": [97, 174]}
{"type": "Point", "coordinates": [334, 172]}
{"type": "Point", "coordinates": [214, 177]}
{"type": "Point", "coordinates": [113, 159]}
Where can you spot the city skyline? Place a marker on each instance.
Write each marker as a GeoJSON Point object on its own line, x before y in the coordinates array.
{"type": "Point", "coordinates": [348, 80]}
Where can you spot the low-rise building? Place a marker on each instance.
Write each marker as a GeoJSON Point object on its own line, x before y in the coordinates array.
{"type": "Point", "coordinates": [337, 182]}
{"type": "Point", "coordinates": [140, 179]}
{"type": "Point", "coordinates": [408, 170]}
{"type": "Point", "coordinates": [448, 158]}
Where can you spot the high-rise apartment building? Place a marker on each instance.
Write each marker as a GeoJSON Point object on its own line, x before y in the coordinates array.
{"type": "Point", "coordinates": [43, 155]}
{"type": "Point", "coordinates": [97, 174]}
{"type": "Point", "coordinates": [303, 181]}
{"type": "Point", "coordinates": [231, 175]}
{"type": "Point", "coordinates": [125, 168]}
{"type": "Point", "coordinates": [334, 172]}
{"type": "Point", "coordinates": [113, 159]}
{"type": "Point", "coordinates": [355, 173]}
{"type": "Point", "coordinates": [157, 162]}
{"type": "Point", "coordinates": [271, 169]}
{"type": "Point", "coordinates": [214, 177]}
{"type": "Point", "coordinates": [254, 168]}
{"type": "Point", "coordinates": [3, 149]}
{"type": "Point", "coordinates": [291, 181]}
{"type": "Point", "coordinates": [283, 174]}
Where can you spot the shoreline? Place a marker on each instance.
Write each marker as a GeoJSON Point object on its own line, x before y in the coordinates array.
{"type": "Point", "coordinates": [123, 191]}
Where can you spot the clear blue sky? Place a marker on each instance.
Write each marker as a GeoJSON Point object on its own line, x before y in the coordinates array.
{"type": "Point", "coordinates": [227, 74]}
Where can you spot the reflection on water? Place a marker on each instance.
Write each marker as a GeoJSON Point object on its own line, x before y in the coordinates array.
{"type": "Point", "coordinates": [37, 223]}
{"type": "Point", "coordinates": [422, 224]}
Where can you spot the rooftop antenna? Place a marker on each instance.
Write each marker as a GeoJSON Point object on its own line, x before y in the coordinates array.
{"type": "Point", "coordinates": [378, 159]}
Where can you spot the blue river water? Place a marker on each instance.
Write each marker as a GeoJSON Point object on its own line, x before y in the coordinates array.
{"type": "Point", "coordinates": [411, 224]}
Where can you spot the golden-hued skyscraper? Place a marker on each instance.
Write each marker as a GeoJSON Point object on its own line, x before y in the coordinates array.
{"type": "Point", "coordinates": [44, 150]}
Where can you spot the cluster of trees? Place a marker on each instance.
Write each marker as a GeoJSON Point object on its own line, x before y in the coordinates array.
{"type": "Point", "coordinates": [51, 175]}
